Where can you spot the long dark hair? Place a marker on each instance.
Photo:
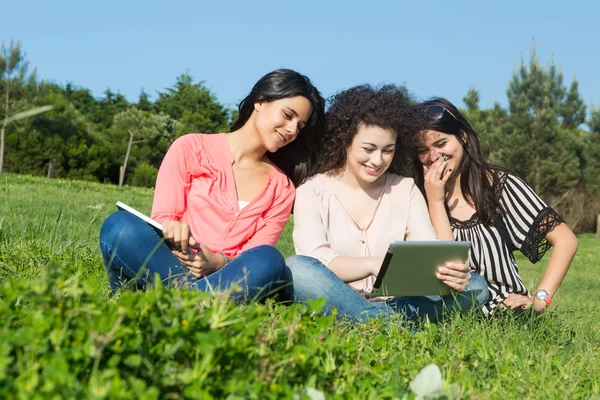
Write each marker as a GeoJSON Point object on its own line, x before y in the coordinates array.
{"type": "Point", "coordinates": [388, 107]}
{"type": "Point", "coordinates": [479, 180]}
{"type": "Point", "coordinates": [296, 159]}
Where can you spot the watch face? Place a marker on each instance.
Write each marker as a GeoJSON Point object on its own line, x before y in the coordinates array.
{"type": "Point", "coordinates": [541, 294]}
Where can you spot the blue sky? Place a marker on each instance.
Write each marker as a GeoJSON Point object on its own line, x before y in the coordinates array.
{"type": "Point", "coordinates": [433, 47]}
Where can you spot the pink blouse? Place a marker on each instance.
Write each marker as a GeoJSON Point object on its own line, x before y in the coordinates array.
{"type": "Point", "coordinates": [195, 184]}
{"type": "Point", "coordinates": [323, 229]}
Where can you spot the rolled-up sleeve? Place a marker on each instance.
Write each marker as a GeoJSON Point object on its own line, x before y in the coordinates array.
{"type": "Point", "coordinates": [310, 234]}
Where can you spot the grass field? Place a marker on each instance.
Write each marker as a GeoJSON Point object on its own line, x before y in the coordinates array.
{"type": "Point", "coordinates": [63, 337]}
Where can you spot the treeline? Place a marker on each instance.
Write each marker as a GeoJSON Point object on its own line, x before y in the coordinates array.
{"type": "Point", "coordinates": [112, 140]}
{"type": "Point", "coordinates": [84, 137]}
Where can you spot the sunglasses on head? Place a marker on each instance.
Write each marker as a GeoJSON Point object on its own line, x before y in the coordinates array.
{"type": "Point", "coordinates": [437, 112]}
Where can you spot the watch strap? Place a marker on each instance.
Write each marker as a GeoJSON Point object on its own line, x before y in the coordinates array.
{"type": "Point", "coordinates": [547, 299]}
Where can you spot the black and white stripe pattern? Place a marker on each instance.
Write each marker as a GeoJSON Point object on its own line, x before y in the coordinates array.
{"type": "Point", "coordinates": [522, 225]}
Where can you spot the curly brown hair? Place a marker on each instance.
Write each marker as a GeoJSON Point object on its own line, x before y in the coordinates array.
{"type": "Point", "coordinates": [388, 107]}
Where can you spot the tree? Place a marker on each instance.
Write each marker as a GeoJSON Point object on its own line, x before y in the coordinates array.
{"type": "Point", "coordinates": [144, 103]}
{"type": "Point", "coordinates": [594, 121]}
{"type": "Point", "coordinates": [12, 62]}
{"type": "Point", "coordinates": [194, 106]}
{"type": "Point", "coordinates": [146, 127]}
{"type": "Point", "coordinates": [540, 140]}
{"type": "Point", "coordinates": [488, 123]}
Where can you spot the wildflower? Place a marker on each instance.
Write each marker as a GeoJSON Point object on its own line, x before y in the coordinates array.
{"type": "Point", "coordinates": [185, 322]}
{"type": "Point", "coordinates": [302, 357]}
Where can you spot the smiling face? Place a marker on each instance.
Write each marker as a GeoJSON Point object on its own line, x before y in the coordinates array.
{"type": "Point", "coordinates": [371, 153]}
{"type": "Point", "coordinates": [434, 143]}
{"type": "Point", "coordinates": [279, 122]}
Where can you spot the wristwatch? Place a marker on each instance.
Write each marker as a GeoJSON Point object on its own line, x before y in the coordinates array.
{"type": "Point", "coordinates": [542, 294]}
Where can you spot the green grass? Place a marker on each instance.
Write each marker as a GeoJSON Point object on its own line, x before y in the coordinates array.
{"type": "Point", "coordinates": [63, 336]}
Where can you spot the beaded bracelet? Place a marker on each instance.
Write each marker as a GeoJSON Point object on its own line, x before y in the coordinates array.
{"type": "Point", "coordinates": [227, 260]}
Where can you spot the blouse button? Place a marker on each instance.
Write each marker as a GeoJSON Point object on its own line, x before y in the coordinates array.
{"type": "Point", "coordinates": [362, 241]}
{"type": "Point", "coordinates": [237, 214]}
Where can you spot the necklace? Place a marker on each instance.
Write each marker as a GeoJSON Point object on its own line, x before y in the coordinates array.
{"type": "Point", "coordinates": [236, 166]}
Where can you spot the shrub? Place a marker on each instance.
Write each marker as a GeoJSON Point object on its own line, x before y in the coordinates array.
{"type": "Point", "coordinates": [144, 175]}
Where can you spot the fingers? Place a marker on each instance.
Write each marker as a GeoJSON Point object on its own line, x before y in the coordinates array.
{"type": "Point", "coordinates": [178, 233]}
{"type": "Point", "coordinates": [196, 265]}
{"type": "Point", "coordinates": [455, 275]}
{"type": "Point", "coordinates": [457, 270]}
{"type": "Point", "coordinates": [517, 300]}
{"type": "Point", "coordinates": [458, 285]}
{"type": "Point", "coordinates": [433, 167]}
{"type": "Point", "coordinates": [441, 167]}
{"type": "Point", "coordinates": [446, 175]}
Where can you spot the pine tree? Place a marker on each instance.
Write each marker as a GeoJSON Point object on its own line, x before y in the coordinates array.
{"type": "Point", "coordinates": [487, 123]}
{"type": "Point", "coordinates": [540, 141]}
{"type": "Point", "coordinates": [194, 106]}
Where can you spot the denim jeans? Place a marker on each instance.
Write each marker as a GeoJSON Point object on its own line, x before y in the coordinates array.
{"type": "Point", "coordinates": [133, 253]}
{"type": "Point", "coordinates": [312, 280]}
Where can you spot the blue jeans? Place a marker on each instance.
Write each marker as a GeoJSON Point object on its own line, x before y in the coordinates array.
{"type": "Point", "coordinates": [133, 253]}
{"type": "Point", "coordinates": [312, 280]}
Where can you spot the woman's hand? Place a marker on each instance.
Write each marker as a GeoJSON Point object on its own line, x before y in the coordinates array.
{"type": "Point", "coordinates": [435, 178]}
{"type": "Point", "coordinates": [455, 275]}
{"type": "Point", "coordinates": [179, 234]}
{"type": "Point", "coordinates": [201, 263]}
{"type": "Point", "coordinates": [519, 300]}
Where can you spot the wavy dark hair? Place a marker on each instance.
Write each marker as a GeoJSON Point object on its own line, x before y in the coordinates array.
{"type": "Point", "coordinates": [388, 107]}
{"type": "Point", "coordinates": [298, 158]}
{"type": "Point", "coordinates": [479, 180]}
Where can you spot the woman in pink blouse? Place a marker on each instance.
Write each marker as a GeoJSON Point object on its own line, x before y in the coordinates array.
{"type": "Point", "coordinates": [223, 199]}
{"type": "Point", "coordinates": [346, 215]}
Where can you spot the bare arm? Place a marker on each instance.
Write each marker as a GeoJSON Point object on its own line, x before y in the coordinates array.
{"type": "Point", "coordinates": [565, 246]}
{"type": "Point", "coordinates": [350, 269]}
{"type": "Point", "coordinates": [440, 221]}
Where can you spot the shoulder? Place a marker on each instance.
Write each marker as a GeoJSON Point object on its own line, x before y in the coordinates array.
{"type": "Point", "coordinates": [197, 141]}
{"type": "Point", "coordinates": [319, 183]}
{"type": "Point", "coordinates": [509, 181]}
{"type": "Point", "coordinates": [280, 183]}
{"type": "Point", "coordinates": [395, 180]}
{"type": "Point", "coordinates": [319, 187]}
{"type": "Point", "coordinates": [400, 185]}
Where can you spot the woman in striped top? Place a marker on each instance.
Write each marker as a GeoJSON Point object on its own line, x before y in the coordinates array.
{"type": "Point", "coordinates": [498, 212]}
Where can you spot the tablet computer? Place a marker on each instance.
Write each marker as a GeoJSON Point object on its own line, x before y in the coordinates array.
{"type": "Point", "coordinates": [153, 224]}
{"type": "Point", "coordinates": [408, 268]}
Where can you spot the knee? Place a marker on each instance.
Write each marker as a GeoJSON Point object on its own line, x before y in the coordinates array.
{"type": "Point", "coordinates": [269, 256]}
{"type": "Point", "coordinates": [116, 229]}
{"type": "Point", "coordinates": [304, 267]}
{"type": "Point", "coordinates": [114, 225]}
{"type": "Point", "coordinates": [310, 276]}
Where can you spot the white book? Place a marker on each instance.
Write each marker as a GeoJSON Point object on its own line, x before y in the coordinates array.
{"type": "Point", "coordinates": [156, 225]}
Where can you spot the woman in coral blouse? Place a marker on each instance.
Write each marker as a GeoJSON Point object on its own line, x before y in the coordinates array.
{"type": "Point", "coordinates": [346, 215]}
{"type": "Point", "coordinates": [223, 199]}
